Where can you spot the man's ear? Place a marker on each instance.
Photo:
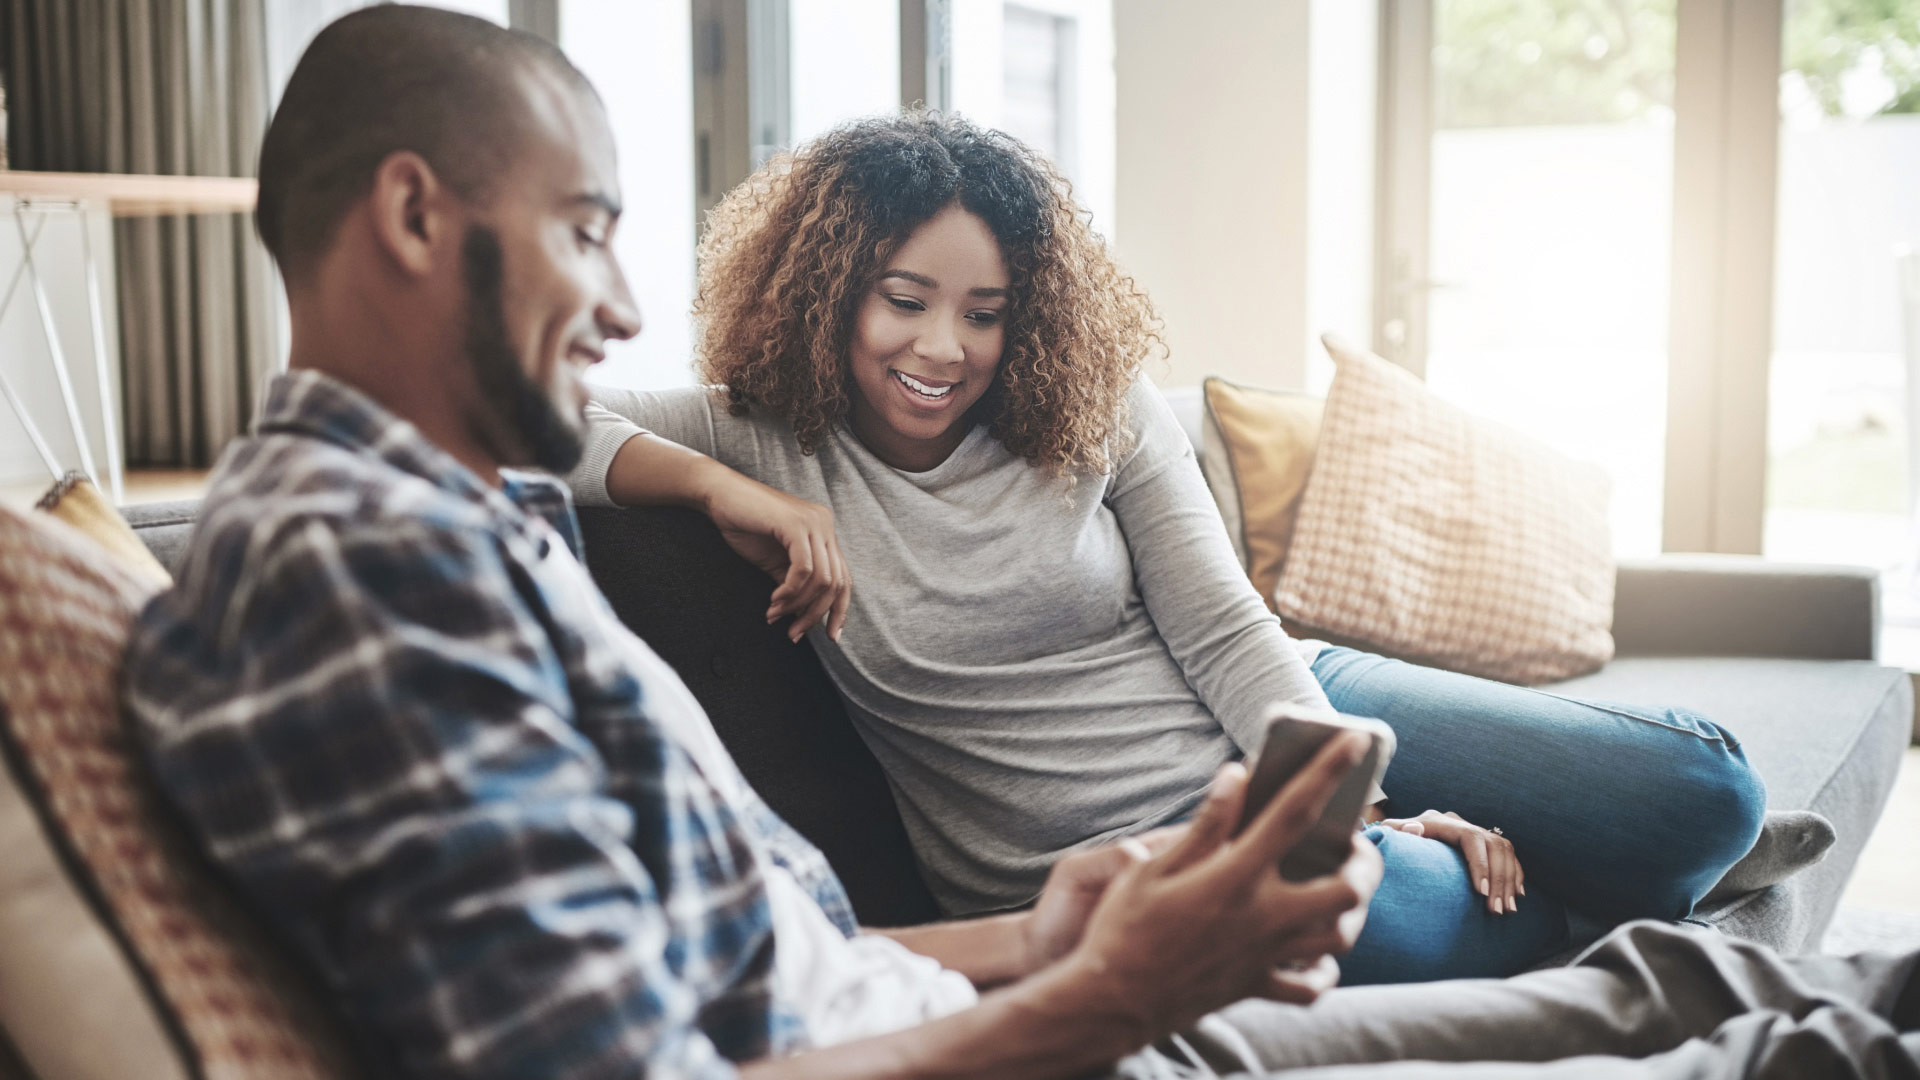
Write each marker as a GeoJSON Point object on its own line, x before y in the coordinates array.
{"type": "Point", "coordinates": [412, 211]}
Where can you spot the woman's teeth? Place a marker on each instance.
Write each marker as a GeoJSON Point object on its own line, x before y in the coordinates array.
{"type": "Point", "coordinates": [931, 393]}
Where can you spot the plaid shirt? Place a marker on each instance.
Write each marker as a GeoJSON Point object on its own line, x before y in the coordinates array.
{"type": "Point", "coordinates": [392, 707]}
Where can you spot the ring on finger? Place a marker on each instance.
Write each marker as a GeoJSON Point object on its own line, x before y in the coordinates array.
{"type": "Point", "coordinates": [1496, 831]}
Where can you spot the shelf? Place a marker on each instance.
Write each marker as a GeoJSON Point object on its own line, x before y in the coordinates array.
{"type": "Point", "coordinates": [136, 196]}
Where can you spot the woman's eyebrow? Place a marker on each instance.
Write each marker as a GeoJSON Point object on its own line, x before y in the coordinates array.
{"type": "Point", "coordinates": [926, 282]}
{"type": "Point", "coordinates": [921, 280]}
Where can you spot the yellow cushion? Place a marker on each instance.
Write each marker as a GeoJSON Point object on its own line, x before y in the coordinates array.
{"type": "Point", "coordinates": [1267, 439]}
{"type": "Point", "coordinates": [77, 502]}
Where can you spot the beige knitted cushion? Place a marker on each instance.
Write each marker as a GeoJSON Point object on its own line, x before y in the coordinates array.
{"type": "Point", "coordinates": [1435, 536]}
{"type": "Point", "coordinates": [232, 1011]}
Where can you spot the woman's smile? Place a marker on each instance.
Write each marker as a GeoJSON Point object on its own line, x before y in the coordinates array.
{"type": "Point", "coordinates": [925, 393]}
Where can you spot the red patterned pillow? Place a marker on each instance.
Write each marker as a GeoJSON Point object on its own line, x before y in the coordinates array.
{"type": "Point", "coordinates": [234, 1012]}
{"type": "Point", "coordinates": [1433, 535]}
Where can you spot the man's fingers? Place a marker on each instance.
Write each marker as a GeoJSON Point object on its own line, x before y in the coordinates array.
{"type": "Point", "coordinates": [1301, 986]}
{"type": "Point", "coordinates": [1160, 840]}
{"type": "Point", "coordinates": [1092, 870]}
{"type": "Point", "coordinates": [1285, 820]}
{"type": "Point", "coordinates": [1214, 822]}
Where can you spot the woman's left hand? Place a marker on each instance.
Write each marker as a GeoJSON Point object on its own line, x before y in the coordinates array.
{"type": "Point", "coordinates": [1490, 859]}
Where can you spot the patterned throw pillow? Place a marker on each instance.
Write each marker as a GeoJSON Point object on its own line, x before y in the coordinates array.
{"type": "Point", "coordinates": [232, 1011]}
{"type": "Point", "coordinates": [1438, 537]}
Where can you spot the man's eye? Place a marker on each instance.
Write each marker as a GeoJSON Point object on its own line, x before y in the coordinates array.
{"type": "Point", "coordinates": [906, 303]}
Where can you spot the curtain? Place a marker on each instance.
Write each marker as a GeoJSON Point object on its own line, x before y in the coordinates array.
{"type": "Point", "coordinates": [172, 87]}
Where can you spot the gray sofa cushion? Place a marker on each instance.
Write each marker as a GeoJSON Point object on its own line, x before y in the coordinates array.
{"type": "Point", "coordinates": [1826, 735]}
{"type": "Point", "coordinates": [164, 528]}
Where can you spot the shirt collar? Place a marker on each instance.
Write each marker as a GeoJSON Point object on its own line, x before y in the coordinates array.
{"type": "Point", "coordinates": [317, 405]}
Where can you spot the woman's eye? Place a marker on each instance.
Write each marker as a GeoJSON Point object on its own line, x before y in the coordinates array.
{"type": "Point", "coordinates": [590, 238]}
{"type": "Point", "coordinates": [984, 318]}
{"type": "Point", "coordinates": [906, 303]}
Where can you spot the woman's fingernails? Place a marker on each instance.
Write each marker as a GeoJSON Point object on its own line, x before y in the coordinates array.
{"type": "Point", "coordinates": [1485, 889]}
{"type": "Point", "coordinates": [1522, 888]}
{"type": "Point", "coordinates": [1511, 906]}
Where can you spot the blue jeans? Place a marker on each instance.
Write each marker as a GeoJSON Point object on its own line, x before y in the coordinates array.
{"type": "Point", "coordinates": [1616, 812]}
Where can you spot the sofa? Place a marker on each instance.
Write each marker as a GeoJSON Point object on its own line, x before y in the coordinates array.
{"type": "Point", "coordinates": [1783, 655]}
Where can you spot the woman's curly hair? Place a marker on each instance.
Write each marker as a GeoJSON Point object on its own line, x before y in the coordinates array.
{"type": "Point", "coordinates": [789, 255]}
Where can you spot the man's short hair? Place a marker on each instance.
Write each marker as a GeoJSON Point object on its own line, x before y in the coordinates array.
{"type": "Point", "coordinates": [444, 85]}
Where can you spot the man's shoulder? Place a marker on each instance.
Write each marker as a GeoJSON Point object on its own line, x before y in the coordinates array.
{"type": "Point", "coordinates": [272, 489]}
{"type": "Point", "coordinates": [296, 522]}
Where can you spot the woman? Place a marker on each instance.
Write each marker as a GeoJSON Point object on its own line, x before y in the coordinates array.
{"type": "Point", "coordinates": [926, 373]}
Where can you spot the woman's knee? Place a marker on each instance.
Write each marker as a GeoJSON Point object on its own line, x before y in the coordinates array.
{"type": "Point", "coordinates": [1716, 808]}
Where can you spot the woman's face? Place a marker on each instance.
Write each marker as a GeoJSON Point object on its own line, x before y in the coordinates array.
{"type": "Point", "coordinates": [927, 340]}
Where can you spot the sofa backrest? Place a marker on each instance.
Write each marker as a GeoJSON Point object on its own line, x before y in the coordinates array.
{"type": "Point", "coordinates": [674, 581]}
{"type": "Point", "coordinates": [671, 578]}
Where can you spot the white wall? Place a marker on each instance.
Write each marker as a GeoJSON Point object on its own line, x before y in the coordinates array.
{"type": "Point", "coordinates": [1212, 180]}
{"type": "Point", "coordinates": [639, 58]}
{"type": "Point", "coordinates": [1245, 163]}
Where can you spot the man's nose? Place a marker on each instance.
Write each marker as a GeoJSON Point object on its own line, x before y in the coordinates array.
{"type": "Point", "coordinates": [619, 315]}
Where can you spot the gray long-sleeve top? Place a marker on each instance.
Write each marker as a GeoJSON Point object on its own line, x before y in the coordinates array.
{"type": "Point", "coordinates": [1037, 665]}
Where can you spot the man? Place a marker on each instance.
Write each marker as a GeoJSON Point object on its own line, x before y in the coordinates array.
{"type": "Point", "coordinates": [390, 704]}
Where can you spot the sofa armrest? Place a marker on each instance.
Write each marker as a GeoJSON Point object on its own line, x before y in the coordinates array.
{"type": "Point", "coordinates": [1740, 605]}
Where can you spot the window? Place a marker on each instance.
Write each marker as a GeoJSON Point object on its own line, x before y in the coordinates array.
{"type": "Point", "coordinates": [1038, 80]}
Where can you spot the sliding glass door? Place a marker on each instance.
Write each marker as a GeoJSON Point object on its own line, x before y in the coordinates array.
{"type": "Point", "coordinates": [1667, 236]}
{"type": "Point", "coordinates": [1548, 239]}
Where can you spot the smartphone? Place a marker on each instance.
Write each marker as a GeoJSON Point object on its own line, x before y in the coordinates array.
{"type": "Point", "coordinates": [1295, 733]}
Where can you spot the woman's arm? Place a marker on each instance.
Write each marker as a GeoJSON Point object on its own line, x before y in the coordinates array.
{"type": "Point", "coordinates": [626, 464]}
{"type": "Point", "coordinates": [1231, 648]}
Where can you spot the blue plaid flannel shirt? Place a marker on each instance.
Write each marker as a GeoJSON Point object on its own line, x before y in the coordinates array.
{"type": "Point", "coordinates": [394, 711]}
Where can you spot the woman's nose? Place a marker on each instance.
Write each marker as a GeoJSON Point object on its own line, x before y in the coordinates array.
{"type": "Point", "coordinates": [939, 344]}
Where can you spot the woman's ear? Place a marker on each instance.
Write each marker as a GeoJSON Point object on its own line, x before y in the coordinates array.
{"type": "Point", "coordinates": [411, 213]}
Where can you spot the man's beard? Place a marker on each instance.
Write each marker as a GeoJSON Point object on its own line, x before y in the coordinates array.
{"type": "Point", "coordinates": [537, 434]}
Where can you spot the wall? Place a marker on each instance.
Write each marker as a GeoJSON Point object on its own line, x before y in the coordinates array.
{"type": "Point", "coordinates": [1245, 149]}
{"type": "Point", "coordinates": [1211, 139]}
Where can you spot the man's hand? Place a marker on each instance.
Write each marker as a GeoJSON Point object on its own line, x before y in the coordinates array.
{"type": "Point", "coordinates": [1075, 886]}
{"type": "Point", "coordinates": [1491, 863]}
{"type": "Point", "coordinates": [1209, 921]}
{"type": "Point", "coordinates": [792, 540]}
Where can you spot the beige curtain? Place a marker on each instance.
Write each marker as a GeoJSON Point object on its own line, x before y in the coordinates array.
{"type": "Point", "coordinates": [174, 87]}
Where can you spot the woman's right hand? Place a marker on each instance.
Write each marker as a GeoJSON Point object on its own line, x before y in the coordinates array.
{"type": "Point", "coordinates": [793, 541]}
